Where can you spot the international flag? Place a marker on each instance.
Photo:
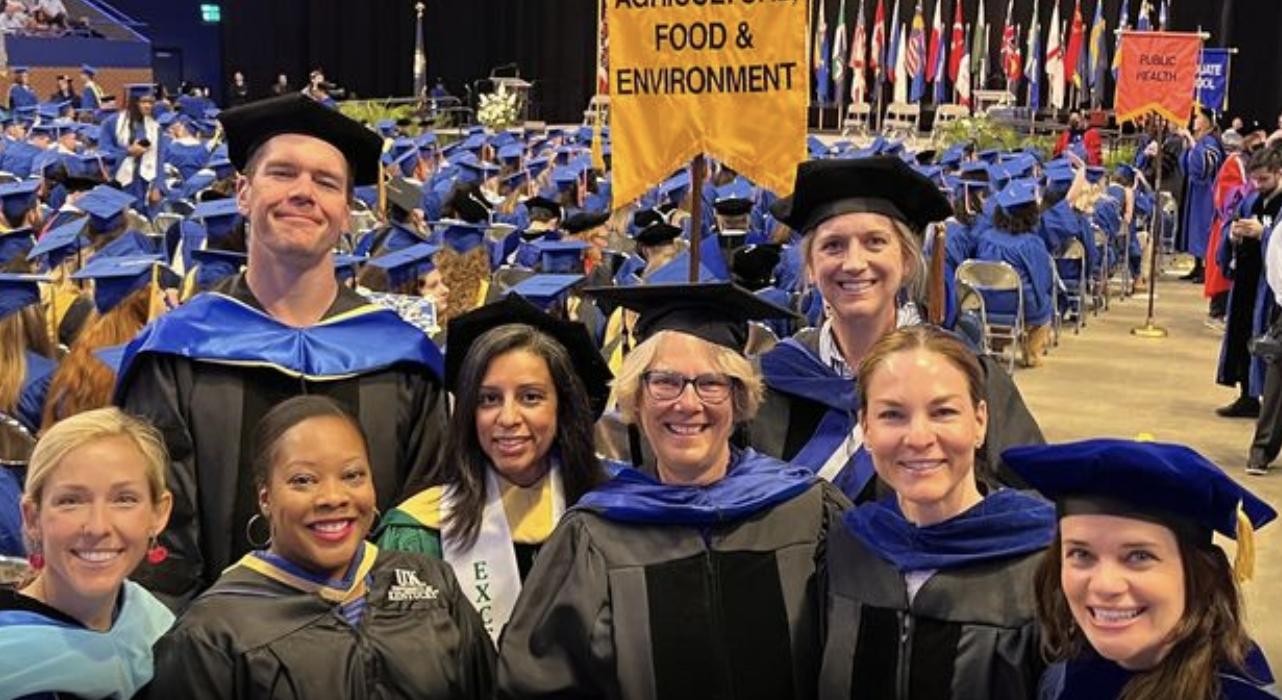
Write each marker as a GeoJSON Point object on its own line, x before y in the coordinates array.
{"type": "Point", "coordinates": [936, 43]}
{"type": "Point", "coordinates": [822, 52]}
{"type": "Point", "coordinates": [893, 53]}
{"type": "Point", "coordinates": [1055, 62]}
{"type": "Point", "coordinates": [901, 85]}
{"type": "Point", "coordinates": [1162, 15]}
{"type": "Point", "coordinates": [1072, 56]}
{"type": "Point", "coordinates": [958, 48]}
{"type": "Point", "coordinates": [858, 59]}
{"type": "Point", "coordinates": [916, 55]}
{"type": "Point", "coordinates": [1010, 48]}
{"type": "Point", "coordinates": [1033, 67]}
{"type": "Point", "coordinates": [1145, 21]}
{"type": "Point", "coordinates": [979, 47]}
{"type": "Point", "coordinates": [962, 84]}
{"type": "Point", "coordinates": [1123, 23]}
{"type": "Point", "coordinates": [839, 54]}
{"type": "Point", "coordinates": [1098, 55]}
{"type": "Point", "coordinates": [876, 57]}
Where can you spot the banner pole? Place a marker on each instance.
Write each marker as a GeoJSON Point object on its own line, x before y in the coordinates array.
{"type": "Point", "coordinates": [1149, 329]}
{"type": "Point", "coordinates": [698, 169]}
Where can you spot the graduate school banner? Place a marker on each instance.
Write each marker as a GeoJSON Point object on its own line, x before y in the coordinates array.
{"type": "Point", "coordinates": [1157, 73]}
{"type": "Point", "coordinates": [723, 77]}
{"type": "Point", "coordinates": [1213, 79]}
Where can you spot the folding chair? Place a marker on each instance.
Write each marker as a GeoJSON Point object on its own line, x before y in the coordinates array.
{"type": "Point", "coordinates": [1071, 270]}
{"type": "Point", "coordinates": [902, 120]}
{"type": "Point", "coordinates": [945, 115]}
{"type": "Point", "coordinates": [857, 116]}
{"type": "Point", "coordinates": [1002, 291]}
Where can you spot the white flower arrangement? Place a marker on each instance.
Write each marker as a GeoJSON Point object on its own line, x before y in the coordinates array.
{"type": "Point", "coordinates": [498, 109]}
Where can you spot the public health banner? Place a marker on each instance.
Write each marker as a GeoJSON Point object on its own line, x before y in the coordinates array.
{"type": "Point", "coordinates": [1213, 79]}
{"type": "Point", "coordinates": [1158, 72]}
{"type": "Point", "coordinates": [723, 77]}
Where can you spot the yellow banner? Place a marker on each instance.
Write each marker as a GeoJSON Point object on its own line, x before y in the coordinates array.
{"type": "Point", "coordinates": [727, 78]}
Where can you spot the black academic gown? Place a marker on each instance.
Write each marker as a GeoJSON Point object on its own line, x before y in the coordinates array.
{"type": "Point", "coordinates": [629, 610]}
{"type": "Point", "coordinates": [788, 421]}
{"type": "Point", "coordinates": [207, 412]}
{"type": "Point", "coordinates": [251, 636]}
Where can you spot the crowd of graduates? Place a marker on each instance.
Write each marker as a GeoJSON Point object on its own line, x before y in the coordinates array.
{"type": "Point", "coordinates": [413, 417]}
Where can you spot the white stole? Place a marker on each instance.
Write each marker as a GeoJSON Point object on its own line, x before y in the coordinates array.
{"type": "Point", "coordinates": [125, 136]}
{"type": "Point", "coordinates": [487, 571]}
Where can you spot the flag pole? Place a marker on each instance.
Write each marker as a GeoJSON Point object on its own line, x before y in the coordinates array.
{"type": "Point", "coordinates": [698, 169]}
{"type": "Point", "coordinates": [1149, 329]}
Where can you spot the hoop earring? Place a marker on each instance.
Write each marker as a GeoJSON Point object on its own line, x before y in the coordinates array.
{"type": "Point", "coordinates": [249, 535]}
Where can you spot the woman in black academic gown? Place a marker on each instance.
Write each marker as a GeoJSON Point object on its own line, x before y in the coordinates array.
{"type": "Point", "coordinates": [861, 220]}
{"type": "Point", "coordinates": [930, 588]}
{"type": "Point", "coordinates": [320, 612]}
{"type": "Point", "coordinates": [702, 581]}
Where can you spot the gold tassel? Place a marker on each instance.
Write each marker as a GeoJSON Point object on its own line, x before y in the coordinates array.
{"type": "Point", "coordinates": [1244, 559]}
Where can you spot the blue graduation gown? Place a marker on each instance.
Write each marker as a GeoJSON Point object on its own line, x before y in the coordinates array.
{"type": "Point", "coordinates": [1201, 165]}
{"type": "Point", "coordinates": [1092, 677]}
{"type": "Point", "coordinates": [1062, 223]}
{"type": "Point", "coordinates": [188, 158]}
{"type": "Point", "coordinates": [35, 387]}
{"type": "Point", "coordinates": [1028, 255]}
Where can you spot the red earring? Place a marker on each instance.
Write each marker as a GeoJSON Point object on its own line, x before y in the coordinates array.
{"type": "Point", "coordinates": [157, 554]}
{"type": "Point", "coordinates": [36, 560]}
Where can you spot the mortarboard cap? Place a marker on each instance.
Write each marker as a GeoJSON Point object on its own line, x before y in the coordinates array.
{"type": "Point", "coordinates": [464, 330]}
{"type": "Point", "coordinates": [547, 205]}
{"type": "Point", "coordinates": [733, 199]}
{"type": "Point", "coordinates": [214, 266]}
{"type": "Point", "coordinates": [405, 193]}
{"type": "Point", "coordinates": [717, 312]}
{"type": "Point", "coordinates": [88, 70]}
{"type": "Point", "coordinates": [754, 266]}
{"type": "Point", "coordinates": [657, 232]}
{"type": "Point", "coordinates": [879, 185]}
{"type": "Point", "coordinates": [16, 198]}
{"type": "Point", "coordinates": [1170, 484]}
{"type": "Point", "coordinates": [512, 151]}
{"type": "Point", "coordinates": [581, 221]}
{"type": "Point", "coordinates": [138, 91]}
{"type": "Point", "coordinates": [250, 126]}
{"type": "Point", "coordinates": [462, 237]}
{"type": "Point", "coordinates": [545, 289]}
{"type": "Point", "coordinates": [60, 242]}
{"type": "Point", "coordinates": [407, 264]}
{"type": "Point", "coordinates": [1060, 175]}
{"type": "Point", "coordinates": [989, 155]}
{"type": "Point", "coordinates": [1095, 173]}
{"type": "Point", "coordinates": [16, 244]}
{"type": "Point", "coordinates": [105, 206]}
{"type": "Point", "coordinates": [130, 244]}
{"type": "Point", "coordinates": [563, 256]}
{"type": "Point", "coordinates": [116, 278]}
{"type": "Point", "coordinates": [18, 291]}
{"type": "Point", "coordinates": [1017, 194]}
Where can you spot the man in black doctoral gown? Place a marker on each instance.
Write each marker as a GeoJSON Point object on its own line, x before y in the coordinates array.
{"type": "Point", "coordinates": [206, 372]}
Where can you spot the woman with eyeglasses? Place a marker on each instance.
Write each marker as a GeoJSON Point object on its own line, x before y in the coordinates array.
{"type": "Point", "coordinates": [703, 579]}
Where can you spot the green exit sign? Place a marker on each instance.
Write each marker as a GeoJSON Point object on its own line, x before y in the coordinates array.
{"type": "Point", "coordinates": [211, 13]}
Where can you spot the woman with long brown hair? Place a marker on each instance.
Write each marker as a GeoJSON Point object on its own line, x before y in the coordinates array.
{"type": "Point", "coordinates": [1135, 600]}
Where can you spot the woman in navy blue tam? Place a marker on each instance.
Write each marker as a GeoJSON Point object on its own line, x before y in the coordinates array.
{"type": "Point", "coordinates": [1135, 599]}
{"type": "Point", "coordinates": [930, 589]}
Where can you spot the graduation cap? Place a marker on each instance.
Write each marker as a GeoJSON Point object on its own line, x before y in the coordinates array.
{"type": "Point", "coordinates": [878, 185]}
{"type": "Point", "coordinates": [250, 126]}
{"type": "Point", "coordinates": [116, 278]}
{"type": "Point", "coordinates": [540, 202]}
{"type": "Point", "coordinates": [462, 237]}
{"type": "Point", "coordinates": [583, 220]}
{"type": "Point", "coordinates": [463, 331]}
{"type": "Point", "coordinates": [674, 188]}
{"type": "Point", "coordinates": [405, 193]}
{"type": "Point", "coordinates": [60, 242]}
{"type": "Point", "coordinates": [218, 215]}
{"type": "Point", "coordinates": [406, 264]}
{"type": "Point", "coordinates": [1019, 164]}
{"type": "Point", "coordinates": [1062, 176]}
{"type": "Point", "coordinates": [1017, 194]}
{"type": "Point", "coordinates": [512, 151]}
{"type": "Point", "coordinates": [545, 289]}
{"type": "Point", "coordinates": [956, 153]}
{"type": "Point", "coordinates": [346, 264]}
{"type": "Point", "coordinates": [1165, 483]}
{"type": "Point", "coordinates": [131, 244]}
{"type": "Point", "coordinates": [476, 171]}
{"type": "Point", "coordinates": [88, 70]}
{"type": "Point", "coordinates": [140, 91]}
{"type": "Point", "coordinates": [990, 155]}
{"type": "Point", "coordinates": [960, 185]}
{"type": "Point", "coordinates": [657, 230]}
{"type": "Point", "coordinates": [718, 312]}
{"type": "Point", "coordinates": [18, 291]}
{"type": "Point", "coordinates": [733, 199]}
{"type": "Point", "coordinates": [754, 266]}
{"type": "Point", "coordinates": [426, 141]}
{"type": "Point", "coordinates": [214, 266]}
{"type": "Point", "coordinates": [1095, 174]}
{"type": "Point", "coordinates": [562, 256]}
{"type": "Point", "coordinates": [16, 198]}
{"type": "Point", "coordinates": [386, 127]}
{"type": "Point", "coordinates": [15, 244]}
{"type": "Point", "coordinates": [106, 206]}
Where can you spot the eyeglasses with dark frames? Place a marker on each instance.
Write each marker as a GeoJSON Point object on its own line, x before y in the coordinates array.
{"type": "Point", "coordinates": [711, 388]}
